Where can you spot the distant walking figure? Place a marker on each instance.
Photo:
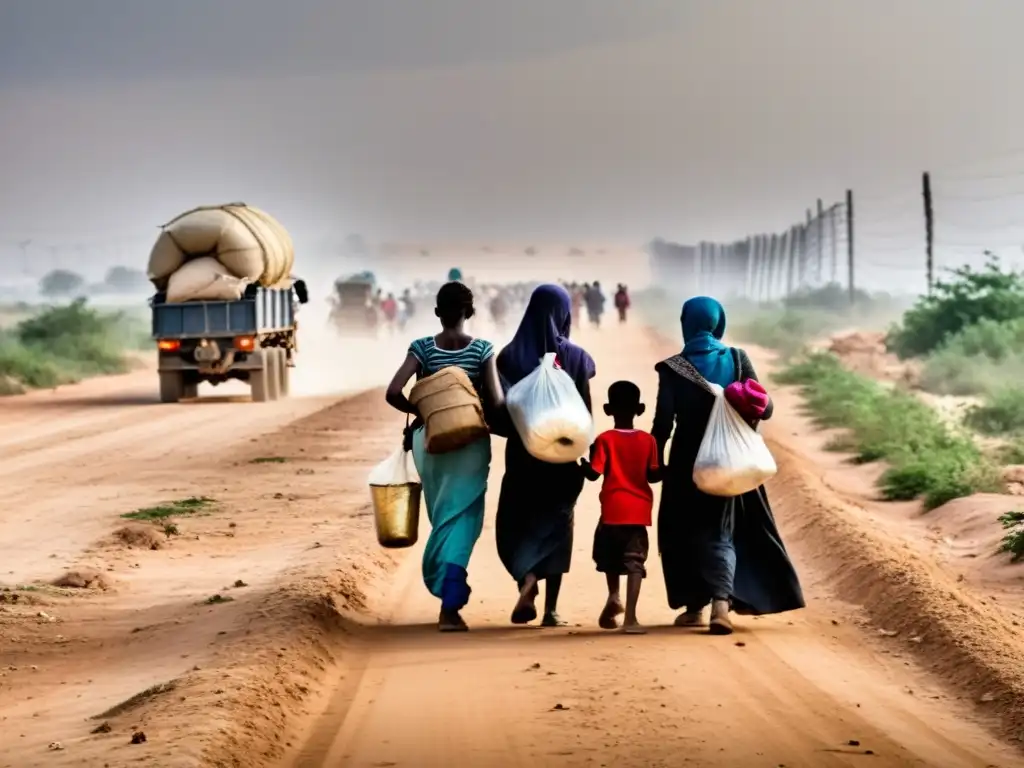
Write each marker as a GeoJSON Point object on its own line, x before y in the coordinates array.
{"type": "Point", "coordinates": [622, 302]}
{"type": "Point", "coordinates": [595, 304]}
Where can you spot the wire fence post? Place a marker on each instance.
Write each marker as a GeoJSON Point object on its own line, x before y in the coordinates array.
{"type": "Point", "coordinates": [820, 234]}
{"type": "Point", "coordinates": [832, 214]}
{"type": "Point", "coordinates": [929, 229]}
{"type": "Point", "coordinates": [794, 247]}
{"type": "Point", "coordinates": [849, 244]}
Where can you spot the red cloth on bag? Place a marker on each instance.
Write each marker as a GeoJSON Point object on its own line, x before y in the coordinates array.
{"type": "Point", "coordinates": [748, 397]}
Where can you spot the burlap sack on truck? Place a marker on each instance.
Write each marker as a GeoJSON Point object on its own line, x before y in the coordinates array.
{"type": "Point", "coordinates": [204, 279]}
{"type": "Point", "coordinates": [246, 240]}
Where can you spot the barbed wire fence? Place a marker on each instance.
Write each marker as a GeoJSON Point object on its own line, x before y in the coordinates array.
{"type": "Point", "coordinates": [903, 243]}
{"type": "Point", "coordinates": [765, 267]}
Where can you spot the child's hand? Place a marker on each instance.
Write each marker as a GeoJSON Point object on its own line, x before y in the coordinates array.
{"type": "Point", "coordinates": [588, 470]}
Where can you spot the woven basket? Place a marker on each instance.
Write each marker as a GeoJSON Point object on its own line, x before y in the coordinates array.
{"type": "Point", "coordinates": [451, 410]}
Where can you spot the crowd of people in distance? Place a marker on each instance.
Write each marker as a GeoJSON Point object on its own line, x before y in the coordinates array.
{"type": "Point", "coordinates": [392, 312]}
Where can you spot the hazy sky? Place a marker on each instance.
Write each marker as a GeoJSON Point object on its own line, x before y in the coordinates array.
{"type": "Point", "coordinates": [482, 119]}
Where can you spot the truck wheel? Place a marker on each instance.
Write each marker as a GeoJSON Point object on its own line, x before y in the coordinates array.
{"type": "Point", "coordinates": [286, 374]}
{"type": "Point", "coordinates": [172, 386]}
{"type": "Point", "coordinates": [273, 365]}
{"type": "Point", "coordinates": [259, 380]}
{"type": "Point", "coordinates": [189, 390]}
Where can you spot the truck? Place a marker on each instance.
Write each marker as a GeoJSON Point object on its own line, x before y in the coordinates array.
{"type": "Point", "coordinates": [251, 339]}
{"type": "Point", "coordinates": [353, 307]}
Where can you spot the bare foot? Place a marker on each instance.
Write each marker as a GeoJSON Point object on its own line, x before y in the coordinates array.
{"type": "Point", "coordinates": [634, 628]}
{"type": "Point", "coordinates": [525, 610]}
{"type": "Point", "coordinates": [553, 620]}
{"type": "Point", "coordinates": [612, 609]}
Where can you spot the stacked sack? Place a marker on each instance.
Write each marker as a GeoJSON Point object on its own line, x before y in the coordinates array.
{"type": "Point", "coordinates": [212, 253]}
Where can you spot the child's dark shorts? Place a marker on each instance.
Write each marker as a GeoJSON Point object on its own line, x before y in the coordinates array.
{"type": "Point", "coordinates": [620, 550]}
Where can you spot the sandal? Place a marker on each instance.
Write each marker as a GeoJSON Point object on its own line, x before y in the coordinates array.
{"type": "Point", "coordinates": [451, 621]}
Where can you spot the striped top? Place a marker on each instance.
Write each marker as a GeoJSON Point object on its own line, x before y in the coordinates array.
{"type": "Point", "coordinates": [470, 358]}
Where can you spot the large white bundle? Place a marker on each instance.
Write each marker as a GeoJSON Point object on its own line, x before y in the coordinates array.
{"type": "Point", "coordinates": [733, 458]}
{"type": "Point", "coordinates": [204, 279]}
{"type": "Point", "coordinates": [250, 243]}
{"type": "Point", "coordinates": [549, 414]}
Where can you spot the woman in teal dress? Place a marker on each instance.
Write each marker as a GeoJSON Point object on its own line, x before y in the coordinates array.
{"type": "Point", "coordinates": [455, 483]}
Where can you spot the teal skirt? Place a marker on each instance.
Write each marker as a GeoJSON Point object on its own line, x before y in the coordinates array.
{"type": "Point", "coordinates": [454, 487]}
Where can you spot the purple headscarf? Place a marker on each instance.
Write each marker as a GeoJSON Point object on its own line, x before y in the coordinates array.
{"type": "Point", "coordinates": [545, 328]}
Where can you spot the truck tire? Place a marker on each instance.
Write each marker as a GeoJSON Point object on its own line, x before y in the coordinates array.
{"type": "Point", "coordinates": [190, 390]}
{"type": "Point", "coordinates": [273, 363]}
{"type": "Point", "coordinates": [172, 386]}
{"type": "Point", "coordinates": [286, 374]}
{"type": "Point", "coordinates": [260, 379]}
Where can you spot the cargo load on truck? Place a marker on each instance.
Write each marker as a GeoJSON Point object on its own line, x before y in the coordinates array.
{"type": "Point", "coordinates": [212, 253]}
{"type": "Point", "coordinates": [225, 303]}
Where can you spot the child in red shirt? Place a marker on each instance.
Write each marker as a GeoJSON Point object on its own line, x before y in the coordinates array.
{"type": "Point", "coordinates": [628, 460]}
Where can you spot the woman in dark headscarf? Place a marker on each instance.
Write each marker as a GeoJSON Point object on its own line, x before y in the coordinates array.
{"type": "Point", "coordinates": [722, 551]}
{"type": "Point", "coordinates": [537, 502]}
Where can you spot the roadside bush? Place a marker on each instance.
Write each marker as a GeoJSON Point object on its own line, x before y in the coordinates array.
{"type": "Point", "coordinates": [926, 459]}
{"type": "Point", "coordinates": [977, 360]}
{"type": "Point", "coordinates": [786, 331]}
{"type": "Point", "coordinates": [1002, 413]}
{"type": "Point", "coordinates": [64, 344]}
{"type": "Point", "coordinates": [830, 297]}
{"type": "Point", "coordinates": [1013, 541]}
{"type": "Point", "coordinates": [964, 300]}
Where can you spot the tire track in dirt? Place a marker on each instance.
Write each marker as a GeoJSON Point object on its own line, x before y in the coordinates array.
{"type": "Point", "coordinates": [295, 532]}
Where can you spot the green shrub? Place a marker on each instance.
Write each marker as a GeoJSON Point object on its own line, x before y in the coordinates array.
{"type": "Point", "coordinates": [1002, 413]}
{"type": "Point", "coordinates": [786, 331]}
{"type": "Point", "coordinates": [977, 359]}
{"type": "Point", "coordinates": [964, 300]}
{"type": "Point", "coordinates": [64, 344]}
{"type": "Point", "coordinates": [1013, 540]}
{"type": "Point", "coordinates": [926, 458]}
{"type": "Point", "coordinates": [830, 298]}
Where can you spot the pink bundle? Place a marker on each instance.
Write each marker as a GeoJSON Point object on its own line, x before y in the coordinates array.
{"type": "Point", "coordinates": [748, 397]}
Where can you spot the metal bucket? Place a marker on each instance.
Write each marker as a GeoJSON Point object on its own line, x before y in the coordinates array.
{"type": "Point", "coordinates": [396, 514]}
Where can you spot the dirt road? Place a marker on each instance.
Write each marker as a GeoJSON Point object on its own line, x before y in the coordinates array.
{"type": "Point", "coordinates": [327, 654]}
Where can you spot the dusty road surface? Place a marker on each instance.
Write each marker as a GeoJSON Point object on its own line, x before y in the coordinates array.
{"type": "Point", "coordinates": [267, 629]}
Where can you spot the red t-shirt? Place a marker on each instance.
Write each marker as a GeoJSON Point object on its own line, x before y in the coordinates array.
{"type": "Point", "coordinates": [623, 457]}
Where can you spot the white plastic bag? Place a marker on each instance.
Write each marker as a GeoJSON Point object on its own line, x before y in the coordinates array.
{"type": "Point", "coordinates": [733, 458]}
{"type": "Point", "coordinates": [549, 414]}
{"type": "Point", "coordinates": [397, 469]}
